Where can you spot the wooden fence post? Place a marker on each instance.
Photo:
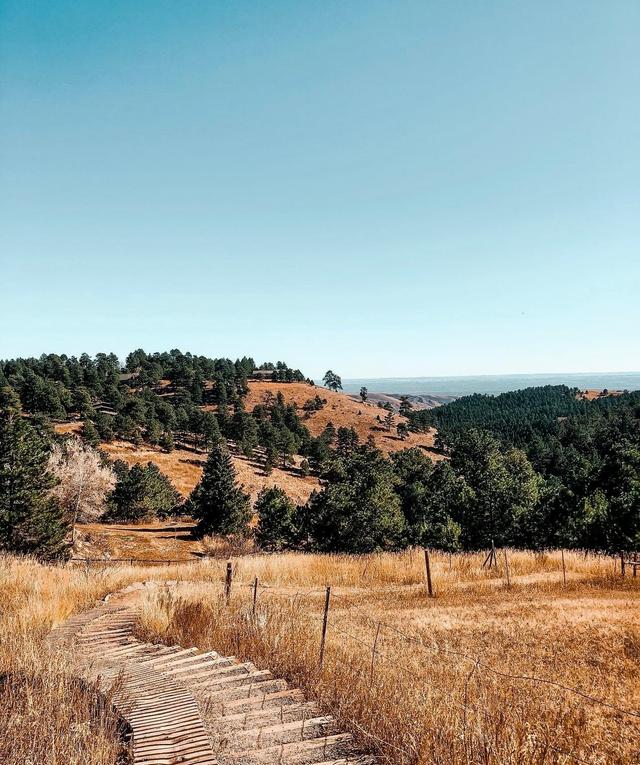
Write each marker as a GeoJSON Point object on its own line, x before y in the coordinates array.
{"type": "Point", "coordinates": [506, 567]}
{"type": "Point", "coordinates": [227, 581]}
{"type": "Point", "coordinates": [428, 567]}
{"type": "Point", "coordinates": [324, 625]}
{"type": "Point", "coordinates": [373, 651]}
{"type": "Point", "coordinates": [255, 595]}
{"type": "Point", "coordinates": [564, 570]}
{"type": "Point", "coordinates": [622, 563]}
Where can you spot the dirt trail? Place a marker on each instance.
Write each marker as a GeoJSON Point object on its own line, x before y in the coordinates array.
{"type": "Point", "coordinates": [190, 706]}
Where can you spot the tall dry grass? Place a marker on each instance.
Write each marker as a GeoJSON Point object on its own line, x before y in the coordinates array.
{"type": "Point", "coordinates": [483, 673]}
{"type": "Point", "coordinates": [47, 716]}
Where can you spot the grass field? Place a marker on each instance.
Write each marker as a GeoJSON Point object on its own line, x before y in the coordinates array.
{"type": "Point", "coordinates": [537, 672]}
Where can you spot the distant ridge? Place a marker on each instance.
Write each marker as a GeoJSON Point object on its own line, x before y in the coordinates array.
{"type": "Point", "coordinates": [455, 386]}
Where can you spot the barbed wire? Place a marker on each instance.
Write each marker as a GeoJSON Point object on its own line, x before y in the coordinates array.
{"type": "Point", "coordinates": [419, 642]}
{"type": "Point", "coordinates": [416, 640]}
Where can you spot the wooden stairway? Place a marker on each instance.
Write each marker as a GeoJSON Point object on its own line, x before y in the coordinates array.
{"type": "Point", "coordinates": [196, 707]}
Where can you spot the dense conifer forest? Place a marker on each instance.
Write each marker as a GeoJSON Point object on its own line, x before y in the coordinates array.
{"type": "Point", "coordinates": [534, 468]}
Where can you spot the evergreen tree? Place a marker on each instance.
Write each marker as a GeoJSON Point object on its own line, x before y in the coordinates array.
{"type": "Point", "coordinates": [347, 441]}
{"type": "Point", "coordinates": [153, 432]}
{"type": "Point", "coordinates": [287, 445]}
{"type": "Point", "coordinates": [357, 510]}
{"type": "Point", "coordinates": [271, 459]}
{"type": "Point", "coordinates": [219, 504]}
{"type": "Point", "coordinates": [102, 423]}
{"type": "Point", "coordinates": [210, 430]}
{"type": "Point", "coordinates": [166, 441]}
{"type": "Point", "coordinates": [89, 434]}
{"type": "Point", "coordinates": [31, 520]}
{"type": "Point", "coordinates": [406, 407]}
{"type": "Point", "coordinates": [275, 513]}
{"type": "Point", "coordinates": [504, 487]}
{"type": "Point", "coordinates": [142, 492]}
{"type": "Point", "coordinates": [403, 430]}
{"type": "Point", "coordinates": [332, 381]}
{"type": "Point", "coordinates": [364, 393]}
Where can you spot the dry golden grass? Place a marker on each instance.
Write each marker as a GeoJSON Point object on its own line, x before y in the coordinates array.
{"type": "Point", "coordinates": [342, 411]}
{"type": "Point", "coordinates": [47, 715]}
{"type": "Point", "coordinates": [483, 673]}
{"type": "Point", "coordinates": [184, 468]}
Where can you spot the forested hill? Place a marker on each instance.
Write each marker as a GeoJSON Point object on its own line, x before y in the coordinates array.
{"type": "Point", "coordinates": [519, 416]}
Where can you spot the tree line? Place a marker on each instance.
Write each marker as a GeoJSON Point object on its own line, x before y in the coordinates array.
{"type": "Point", "coordinates": [515, 470]}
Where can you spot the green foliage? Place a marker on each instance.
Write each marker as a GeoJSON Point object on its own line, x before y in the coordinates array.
{"type": "Point", "coordinates": [406, 407]}
{"type": "Point", "coordinates": [357, 510]}
{"type": "Point", "coordinates": [141, 492]}
{"type": "Point", "coordinates": [166, 441]}
{"type": "Point", "coordinates": [432, 497]}
{"type": "Point", "coordinates": [332, 381]}
{"type": "Point", "coordinates": [90, 434]}
{"type": "Point", "coordinates": [218, 503]}
{"type": "Point", "coordinates": [403, 430]}
{"type": "Point", "coordinates": [135, 403]}
{"type": "Point", "coordinates": [364, 393]}
{"type": "Point", "coordinates": [504, 488]}
{"type": "Point", "coordinates": [246, 433]}
{"type": "Point", "coordinates": [275, 511]}
{"type": "Point", "coordinates": [31, 521]}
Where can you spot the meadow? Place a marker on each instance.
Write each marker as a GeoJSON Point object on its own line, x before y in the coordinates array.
{"type": "Point", "coordinates": [537, 671]}
{"type": "Point", "coordinates": [540, 670]}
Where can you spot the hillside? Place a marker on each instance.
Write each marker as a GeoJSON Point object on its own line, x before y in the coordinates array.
{"type": "Point", "coordinates": [184, 467]}
{"type": "Point", "coordinates": [343, 411]}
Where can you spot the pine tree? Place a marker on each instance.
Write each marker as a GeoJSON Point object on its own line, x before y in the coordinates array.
{"type": "Point", "coordinates": [31, 520]}
{"type": "Point", "coordinates": [332, 381]}
{"type": "Point", "coordinates": [275, 519]}
{"type": "Point", "coordinates": [271, 458]}
{"type": "Point", "coordinates": [357, 510]}
{"type": "Point", "coordinates": [89, 434]}
{"type": "Point", "coordinates": [219, 504]}
{"type": "Point", "coordinates": [142, 492]}
{"type": "Point", "coordinates": [166, 441]}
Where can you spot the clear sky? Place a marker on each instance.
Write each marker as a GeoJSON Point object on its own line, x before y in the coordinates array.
{"type": "Point", "coordinates": [382, 187]}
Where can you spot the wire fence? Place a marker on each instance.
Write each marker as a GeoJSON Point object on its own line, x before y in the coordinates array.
{"type": "Point", "coordinates": [332, 620]}
{"type": "Point", "coordinates": [340, 623]}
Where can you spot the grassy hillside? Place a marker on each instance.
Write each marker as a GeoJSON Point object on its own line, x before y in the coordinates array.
{"type": "Point", "coordinates": [344, 412]}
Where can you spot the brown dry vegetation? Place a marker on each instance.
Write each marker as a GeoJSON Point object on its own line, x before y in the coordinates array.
{"type": "Point", "coordinates": [591, 394]}
{"type": "Point", "coordinates": [534, 673]}
{"type": "Point", "coordinates": [184, 468]}
{"type": "Point", "coordinates": [342, 411]}
{"type": "Point", "coordinates": [47, 716]}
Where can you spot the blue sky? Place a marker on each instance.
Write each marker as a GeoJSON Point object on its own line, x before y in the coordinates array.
{"type": "Point", "coordinates": [383, 188]}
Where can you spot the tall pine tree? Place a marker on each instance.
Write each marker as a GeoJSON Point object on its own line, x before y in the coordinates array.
{"type": "Point", "coordinates": [275, 513]}
{"type": "Point", "coordinates": [31, 520]}
{"type": "Point", "coordinates": [219, 504]}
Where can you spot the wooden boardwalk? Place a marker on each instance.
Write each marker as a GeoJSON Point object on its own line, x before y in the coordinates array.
{"type": "Point", "coordinates": [196, 707]}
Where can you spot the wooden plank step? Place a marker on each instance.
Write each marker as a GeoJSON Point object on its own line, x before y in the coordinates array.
{"type": "Point", "coordinates": [286, 733]}
{"type": "Point", "coordinates": [314, 750]}
{"type": "Point", "coordinates": [270, 715]}
{"type": "Point", "coordinates": [258, 689]}
{"type": "Point", "coordinates": [259, 701]}
{"type": "Point", "coordinates": [164, 691]}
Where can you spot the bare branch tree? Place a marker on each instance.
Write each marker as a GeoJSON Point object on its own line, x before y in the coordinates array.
{"type": "Point", "coordinates": [84, 481]}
